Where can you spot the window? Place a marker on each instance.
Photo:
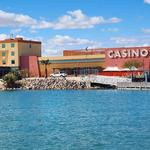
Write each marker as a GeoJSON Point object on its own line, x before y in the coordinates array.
{"type": "Point", "coordinates": [3, 45]}
{"type": "Point", "coordinates": [4, 62]}
{"type": "Point", "coordinates": [12, 44]}
{"type": "Point", "coordinates": [3, 53]}
{"type": "Point", "coordinates": [12, 53]}
{"type": "Point", "coordinates": [12, 62]}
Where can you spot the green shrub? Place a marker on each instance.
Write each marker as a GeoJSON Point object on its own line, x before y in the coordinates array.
{"type": "Point", "coordinates": [10, 80]}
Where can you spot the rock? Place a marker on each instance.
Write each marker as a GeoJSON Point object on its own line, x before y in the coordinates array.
{"type": "Point", "coordinates": [51, 83]}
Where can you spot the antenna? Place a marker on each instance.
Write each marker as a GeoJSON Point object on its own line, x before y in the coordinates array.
{"type": "Point", "coordinates": [86, 48]}
{"type": "Point", "coordinates": [11, 36]}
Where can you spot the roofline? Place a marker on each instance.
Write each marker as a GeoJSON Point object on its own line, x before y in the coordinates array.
{"type": "Point", "coordinates": [19, 40]}
{"type": "Point", "coordinates": [100, 56]}
{"type": "Point", "coordinates": [102, 49]}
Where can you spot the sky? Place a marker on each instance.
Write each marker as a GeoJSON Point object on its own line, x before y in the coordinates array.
{"type": "Point", "coordinates": [77, 24]}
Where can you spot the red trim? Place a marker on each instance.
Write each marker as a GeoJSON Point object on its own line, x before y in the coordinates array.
{"type": "Point", "coordinates": [19, 40]}
{"type": "Point", "coordinates": [121, 73]}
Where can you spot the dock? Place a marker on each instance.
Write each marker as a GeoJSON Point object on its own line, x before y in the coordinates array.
{"type": "Point", "coordinates": [133, 85]}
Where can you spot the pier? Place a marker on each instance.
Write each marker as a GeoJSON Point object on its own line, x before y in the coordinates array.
{"type": "Point", "coordinates": [106, 80]}
{"type": "Point", "coordinates": [120, 83]}
{"type": "Point", "coordinates": [133, 86]}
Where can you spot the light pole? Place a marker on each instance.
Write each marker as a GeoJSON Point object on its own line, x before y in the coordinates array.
{"type": "Point", "coordinates": [132, 69]}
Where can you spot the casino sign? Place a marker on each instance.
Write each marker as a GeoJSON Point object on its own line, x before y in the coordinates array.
{"type": "Point", "coordinates": [128, 53]}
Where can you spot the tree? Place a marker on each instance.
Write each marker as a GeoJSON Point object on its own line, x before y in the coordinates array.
{"type": "Point", "coordinates": [10, 80]}
{"type": "Point", "coordinates": [17, 73]}
{"type": "Point", "coordinates": [133, 63]}
{"type": "Point", "coordinates": [24, 73]}
{"type": "Point", "coordinates": [45, 63]}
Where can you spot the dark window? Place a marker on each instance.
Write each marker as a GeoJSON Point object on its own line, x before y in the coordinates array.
{"type": "Point", "coordinates": [12, 44]}
{"type": "Point", "coordinates": [13, 62]}
{"type": "Point", "coordinates": [12, 53]}
{"type": "Point", "coordinates": [3, 45]}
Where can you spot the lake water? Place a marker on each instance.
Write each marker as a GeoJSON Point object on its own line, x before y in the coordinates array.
{"type": "Point", "coordinates": [75, 120]}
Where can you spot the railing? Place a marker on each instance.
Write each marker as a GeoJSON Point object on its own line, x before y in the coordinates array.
{"type": "Point", "coordinates": [133, 85]}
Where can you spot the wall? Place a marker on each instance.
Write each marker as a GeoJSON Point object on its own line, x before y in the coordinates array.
{"type": "Point", "coordinates": [84, 52]}
{"type": "Point", "coordinates": [51, 67]}
{"type": "Point", "coordinates": [30, 64]}
{"type": "Point", "coordinates": [21, 48]}
{"type": "Point", "coordinates": [25, 50]}
{"type": "Point", "coordinates": [8, 49]}
{"type": "Point", "coordinates": [119, 62]}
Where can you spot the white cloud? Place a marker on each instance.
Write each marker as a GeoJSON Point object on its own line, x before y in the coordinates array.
{"type": "Point", "coordinates": [58, 43]}
{"type": "Point", "coordinates": [123, 40]}
{"type": "Point", "coordinates": [147, 1]}
{"type": "Point", "coordinates": [131, 41]}
{"type": "Point", "coordinates": [14, 31]}
{"type": "Point", "coordinates": [72, 20]}
{"type": "Point", "coordinates": [110, 30]}
{"type": "Point", "coordinates": [15, 20]}
{"type": "Point", "coordinates": [146, 30]}
{"type": "Point", "coordinates": [76, 19]}
{"type": "Point", "coordinates": [113, 20]}
{"type": "Point", "coordinates": [3, 36]}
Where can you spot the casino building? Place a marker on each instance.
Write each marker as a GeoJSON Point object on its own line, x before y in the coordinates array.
{"type": "Point", "coordinates": [26, 55]}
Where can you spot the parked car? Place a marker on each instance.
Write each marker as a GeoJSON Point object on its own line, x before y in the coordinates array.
{"type": "Point", "coordinates": [58, 74]}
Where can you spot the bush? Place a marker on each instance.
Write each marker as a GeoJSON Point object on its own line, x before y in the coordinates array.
{"type": "Point", "coordinates": [24, 73]}
{"type": "Point", "coordinates": [17, 74]}
{"type": "Point", "coordinates": [10, 80]}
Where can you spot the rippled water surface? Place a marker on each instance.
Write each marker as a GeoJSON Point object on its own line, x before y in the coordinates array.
{"type": "Point", "coordinates": [75, 120]}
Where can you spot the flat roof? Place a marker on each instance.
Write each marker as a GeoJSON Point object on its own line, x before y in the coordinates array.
{"type": "Point", "coordinates": [86, 50]}
{"type": "Point", "coordinates": [10, 40]}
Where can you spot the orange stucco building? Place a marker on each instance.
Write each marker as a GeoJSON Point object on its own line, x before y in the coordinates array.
{"type": "Point", "coordinates": [12, 49]}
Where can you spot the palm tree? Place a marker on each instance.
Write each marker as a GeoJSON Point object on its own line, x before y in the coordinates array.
{"type": "Point", "coordinates": [45, 63]}
{"type": "Point", "coordinates": [132, 65]}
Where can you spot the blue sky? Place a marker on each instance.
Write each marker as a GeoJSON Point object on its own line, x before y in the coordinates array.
{"type": "Point", "coordinates": [77, 24]}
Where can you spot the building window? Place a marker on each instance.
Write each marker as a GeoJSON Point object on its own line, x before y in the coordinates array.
{"type": "Point", "coordinates": [3, 53]}
{"type": "Point", "coordinates": [30, 46]}
{"type": "Point", "coordinates": [4, 62]}
{"type": "Point", "coordinates": [12, 62]}
{"type": "Point", "coordinates": [12, 53]}
{"type": "Point", "coordinates": [12, 45]}
{"type": "Point", "coordinates": [3, 45]}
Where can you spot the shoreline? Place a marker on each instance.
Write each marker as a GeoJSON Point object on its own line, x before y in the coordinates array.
{"type": "Point", "coordinates": [59, 83]}
{"type": "Point", "coordinates": [71, 83]}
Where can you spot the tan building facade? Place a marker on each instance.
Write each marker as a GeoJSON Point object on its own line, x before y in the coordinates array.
{"type": "Point", "coordinates": [73, 65]}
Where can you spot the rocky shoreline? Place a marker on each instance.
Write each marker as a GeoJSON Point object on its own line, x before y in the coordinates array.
{"type": "Point", "coordinates": [52, 83]}
{"type": "Point", "coordinates": [58, 83]}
